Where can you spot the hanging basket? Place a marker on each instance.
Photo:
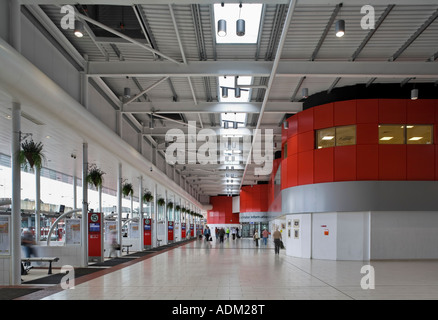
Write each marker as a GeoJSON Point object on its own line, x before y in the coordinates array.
{"type": "Point", "coordinates": [170, 206]}
{"type": "Point", "coordinates": [95, 176]}
{"type": "Point", "coordinates": [177, 208]}
{"type": "Point", "coordinates": [31, 154]}
{"type": "Point", "coordinates": [148, 197]}
{"type": "Point", "coordinates": [161, 202]}
{"type": "Point", "coordinates": [127, 189]}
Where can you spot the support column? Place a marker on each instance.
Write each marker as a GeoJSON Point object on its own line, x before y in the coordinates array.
{"type": "Point", "coordinates": [119, 207]}
{"type": "Point", "coordinates": [155, 219]}
{"type": "Point", "coordinates": [166, 219]}
{"type": "Point", "coordinates": [15, 278]}
{"type": "Point", "coordinates": [140, 213]}
{"type": "Point", "coordinates": [37, 204]}
{"type": "Point", "coordinates": [84, 221]}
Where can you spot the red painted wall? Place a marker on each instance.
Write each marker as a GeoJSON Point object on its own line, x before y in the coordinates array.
{"type": "Point", "coordinates": [222, 212]}
{"type": "Point", "coordinates": [254, 198]}
{"type": "Point", "coordinates": [367, 160]}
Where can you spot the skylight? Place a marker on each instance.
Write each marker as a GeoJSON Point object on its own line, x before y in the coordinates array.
{"type": "Point", "coordinates": [229, 82]}
{"type": "Point", "coordinates": [232, 117]}
{"type": "Point", "coordinates": [231, 12]}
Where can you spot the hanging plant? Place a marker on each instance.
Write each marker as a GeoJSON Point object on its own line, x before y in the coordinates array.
{"type": "Point", "coordinates": [148, 197]}
{"type": "Point", "coordinates": [94, 176]}
{"type": "Point", "coordinates": [127, 189]}
{"type": "Point", "coordinates": [183, 210]}
{"type": "Point", "coordinates": [178, 208]}
{"type": "Point", "coordinates": [161, 202]}
{"type": "Point", "coordinates": [31, 154]}
{"type": "Point", "coordinates": [170, 205]}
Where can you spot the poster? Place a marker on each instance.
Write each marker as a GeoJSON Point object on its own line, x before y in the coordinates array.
{"type": "Point", "coordinates": [72, 231]}
{"type": "Point", "coordinates": [5, 239]}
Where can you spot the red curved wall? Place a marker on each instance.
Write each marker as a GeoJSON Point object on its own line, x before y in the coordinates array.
{"type": "Point", "coordinates": [367, 160]}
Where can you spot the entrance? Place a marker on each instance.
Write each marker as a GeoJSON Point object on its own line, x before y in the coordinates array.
{"type": "Point", "coordinates": [248, 228]}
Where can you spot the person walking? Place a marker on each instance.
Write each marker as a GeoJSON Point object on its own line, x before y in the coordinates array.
{"type": "Point", "coordinates": [277, 240]}
{"type": "Point", "coordinates": [221, 234]}
{"type": "Point", "coordinates": [207, 233]}
{"type": "Point", "coordinates": [234, 232]}
{"type": "Point", "coordinates": [256, 237]}
{"type": "Point", "coordinates": [265, 235]}
{"type": "Point", "coordinates": [228, 233]}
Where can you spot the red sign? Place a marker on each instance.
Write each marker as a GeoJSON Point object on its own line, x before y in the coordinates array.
{"type": "Point", "coordinates": [183, 230]}
{"type": "Point", "coordinates": [170, 230]}
{"type": "Point", "coordinates": [94, 234]}
{"type": "Point", "coordinates": [192, 232]}
{"type": "Point", "coordinates": [147, 241]}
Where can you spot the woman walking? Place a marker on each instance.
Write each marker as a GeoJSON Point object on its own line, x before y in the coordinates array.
{"type": "Point", "coordinates": [277, 240]}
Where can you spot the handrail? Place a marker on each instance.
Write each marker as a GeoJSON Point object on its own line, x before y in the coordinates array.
{"type": "Point", "coordinates": [56, 222]}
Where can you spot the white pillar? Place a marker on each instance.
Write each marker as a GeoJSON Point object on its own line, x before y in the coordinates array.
{"type": "Point", "coordinates": [140, 213]}
{"type": "Point", "coordinates": [84, 222]}
{"type": "Point", "coordinates": [155, 219]}
{"type": "Point", "coordinates": [119, 207]}
{"type": "Point", "coordinates": [166, 219]}
{"type": "Point", "coordinates": [37, 204]}
{"type": "Point", "coordinates": [16, 197]}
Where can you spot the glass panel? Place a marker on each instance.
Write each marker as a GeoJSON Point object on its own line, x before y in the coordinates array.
{"type": "Point", "coordinates": [345, 136]}
{"type": "Point", "coordinates": [325, 138]}
{"type": "Point", "coordinates": [391, 134]}
{"type": "Point", "coordinates": [419, 134]}
{"type": "Point", "coordinates": [285, 151]}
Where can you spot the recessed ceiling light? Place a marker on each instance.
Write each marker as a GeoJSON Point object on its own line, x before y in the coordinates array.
{"type": "Point", "coordinates": [386, 138]}
{"type": "Point", "coordinates": [415, 138]}
{"type": "Point", "coordinates": [328, 137]}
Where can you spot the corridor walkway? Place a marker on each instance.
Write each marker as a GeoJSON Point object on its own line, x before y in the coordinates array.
{"type": "Point", "coordinates": [237, 270]}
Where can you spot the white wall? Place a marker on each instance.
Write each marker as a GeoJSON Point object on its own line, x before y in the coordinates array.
{"type": "Point", "coordinates": [298, 244]}
{"type": "Point", "coordinates": [404, 235]}
{"type": "Point", "coordinates": [324, 245]}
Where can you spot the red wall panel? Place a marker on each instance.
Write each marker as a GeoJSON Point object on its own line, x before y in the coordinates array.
{"type": "Point", "coordinates": [292, 170]}
{"type": "Point", "coordinates": [420, 162]}
{"type": "Point", "coordinates": [367, 111]}
{"type": "Point", "coordinates": [420, 111]}
{"type": "Point", "coordinates": [292, 145]}
{"type": "Point", "coordinates": [367, 162]}
{"type": "Point", "coordinates": [392, 111]}
{"type": "Point", "coordinates": [344, 113]}
{"type": "Point", "coordinates": [392, 162]}
{"type": "Point", "coordinates": [323, 165]}
{"type": "Point", "coordinates": [367, 134]}
{"type": "Point", "coordinates": [305, 120]}
{"type": "Point", "coordinates": [305, 167]}
{"type": "Point", "coordinates": [305, 141]}
{"type": "Point", "coordinates": [345, 163]}
{"type": "Point", "coordinates": [323, 116]}
{"type": "Point", "coordinates": [222, 211]}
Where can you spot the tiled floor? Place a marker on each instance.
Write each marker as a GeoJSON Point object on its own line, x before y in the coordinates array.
{"type": "Point", "coordinates": [237, 270]}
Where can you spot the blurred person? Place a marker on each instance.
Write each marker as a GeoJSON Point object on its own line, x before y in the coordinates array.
{"type": "Point", "coordinates": [277, 240]}
{"type": "Point", "coordinates": [265, 235]}
{"type": "Point", "coordinates": [256, 237]}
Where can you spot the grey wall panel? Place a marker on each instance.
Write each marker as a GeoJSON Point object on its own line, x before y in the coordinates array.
{"type": "Point", "coordinates": [361, 196]}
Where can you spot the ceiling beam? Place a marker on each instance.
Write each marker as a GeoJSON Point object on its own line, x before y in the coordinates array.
{"type": "Point", "coordinates": [212, 107]}
{"type": "Point", "coordinates": [329, 69]}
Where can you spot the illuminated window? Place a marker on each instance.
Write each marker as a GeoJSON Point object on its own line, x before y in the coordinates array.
{"type": "Point", "coordinates": [419, 134]}
{"type": "Point", "coordinates": [335, 137]}
{"type": "Point", "coordinates": [405, 134]}
{"type": "Point", "coordinates": [391, 134]}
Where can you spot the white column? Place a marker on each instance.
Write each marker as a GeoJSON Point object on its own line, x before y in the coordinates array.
{"type": "Point", "coordinates": [84, 222]}
{"type": "Point", "coordinates": [166, 240]}
{"type": "Point", "coordinates": [154, 219]}
{"type": "Point", "coordinates": [119, 207]}
{"type": "Point", "coordinates": [140, 213]}
{"type": "Point", "coordinates": [16, 197]}
{"type": "Point", "coordinates": [37, 204]}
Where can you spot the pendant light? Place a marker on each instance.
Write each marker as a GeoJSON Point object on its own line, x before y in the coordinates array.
{"type": "Point", "coordinates": [240, 24]}
{"type": "Point", "coordinates": [340, 28]}
{"type": "Point", "coordinates": [222, 28]}
{"type": "Point", "coordinates": [224, 92]}
{"type": "Point", "coordinates": [79, 29]}
{"type": "Point", "coordinates": [414, 94]}
{"type": "Point", "coordinates": [305, 92]}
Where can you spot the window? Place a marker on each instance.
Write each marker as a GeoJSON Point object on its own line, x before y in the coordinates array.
{"type": "Point", "coordinates": [285, 151]}
{"type": "Point", "coordinates": [405, 134]}
{"type": "Point", "coordinates": [336, 136]}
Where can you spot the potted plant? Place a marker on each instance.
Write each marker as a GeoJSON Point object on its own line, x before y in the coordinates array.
{"type": "Point", "coordinates": [170, 205]}
{"type": "Point", "coordinates": [148, 197]}
{"type": "Point", "coordinates": [31, 153]}
{"type": "Point", "coordinates": [177, 208]}
{"type": "Point", "coordinates": [127, 189]}
{"type": "Point", "coordinates": [94, 176]}
{"type": "Point", "coordinates": [161, 202]}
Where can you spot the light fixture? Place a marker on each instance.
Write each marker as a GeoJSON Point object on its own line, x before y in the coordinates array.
{"type": "Point", "coordinates": [240, 24]}
{"type": "Point", "coordinates": [127, 92]}
{"type": "Point", "coordinates": [286, 124]}
{"type": "Point", "coordinates": [235, 124]}
{"type": "Point", "coordinates": [386, 138]}
{"type": "Point", "coordinates": [222, 28]}
{"type": "Point", "coordinates": [151, 122]}
{"type": "Point", "coordinates": [328, 137]}
{"type": "Point", "coordinates": [305, 92]}
{"type": "Point", "coordinates": [340, 28]}
{"type": "Point", "coordinates": [415, 138]}
{"type": "Point", "coordinates": [225, 124]}
{"type": "Point", "coordinates": [414, 94]}
{"type": "Point", "coordinates": [224, 92]}
{"type": "Point", "coordinates": [237, 93]}
{"type": "Point", "coordinates": [79, 29]}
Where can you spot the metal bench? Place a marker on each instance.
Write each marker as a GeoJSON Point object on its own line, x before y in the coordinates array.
{"type": "Point", "coordinates": [41, 259]}
{"type": "Point", "coordinates": [126, 246]}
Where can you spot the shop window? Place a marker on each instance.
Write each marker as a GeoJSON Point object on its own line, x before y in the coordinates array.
{"type": "Point", "coordinates": [336, 136]}
{"type": "Point", "coordinates": [391, 134]}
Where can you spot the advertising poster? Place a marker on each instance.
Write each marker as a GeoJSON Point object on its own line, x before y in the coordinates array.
{"type": "Point", "coordinates": [5, 240]}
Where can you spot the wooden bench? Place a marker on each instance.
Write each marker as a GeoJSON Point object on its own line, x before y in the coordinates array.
{"type": "Point", "coordinates": [41, 259]}
{"type": "Point", "coordinates": [126, 246]}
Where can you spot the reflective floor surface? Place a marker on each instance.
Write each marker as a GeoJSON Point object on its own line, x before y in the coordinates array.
{"type": "Point", "coordinates": [238, 270]}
